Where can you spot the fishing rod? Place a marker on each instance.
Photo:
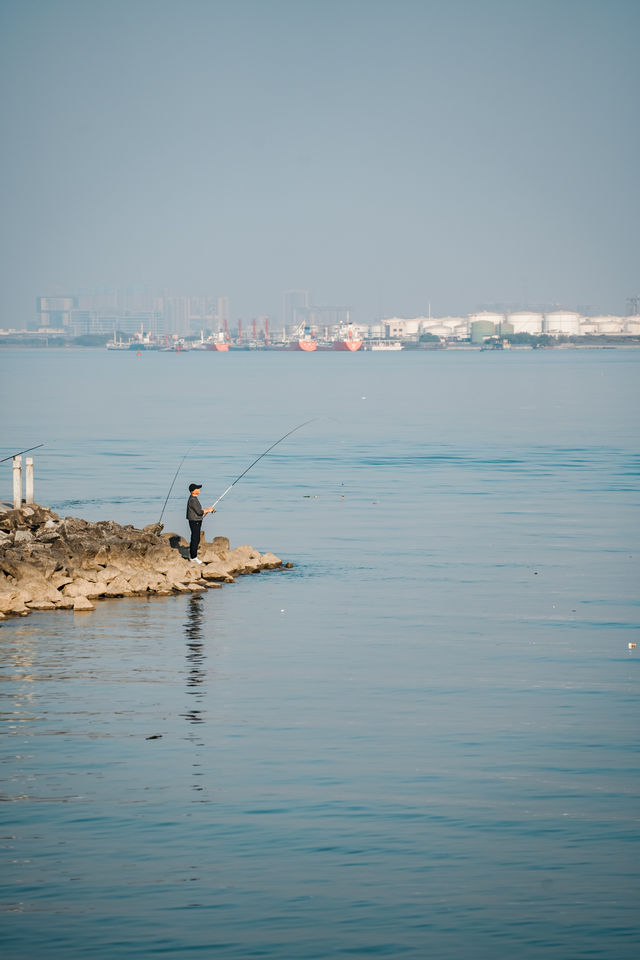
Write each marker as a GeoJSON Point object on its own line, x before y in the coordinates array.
{"type": "Point", "coordinates": [20, 452]}
{"type": "Point", "coordinates": [173, 481]}
{"type": "Point", "coordinates": [244, 472]}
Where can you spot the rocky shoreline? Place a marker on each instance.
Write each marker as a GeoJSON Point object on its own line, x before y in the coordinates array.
{"type": "Point", "coordinates": [53, 563]}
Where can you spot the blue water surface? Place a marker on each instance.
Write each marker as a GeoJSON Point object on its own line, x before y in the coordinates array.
{"type": "Point", "coordinates": [421, 741]}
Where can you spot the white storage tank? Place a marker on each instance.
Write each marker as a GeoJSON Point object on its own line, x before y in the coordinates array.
{"type": "Point", "coordinates": [588, 327]}
{"type": "Point", "coordinates": [562, 322]}
{"type": "Point", "coordinates": [611, 325]}
{"type": "Point", "coordinates": [439, 330]}
{"type": "Point", "coordinates": [376, 331]}
{"type": "Point", "coordinates": [403, 327]}
{"type": "Point", "coordinates": [451, 322]}
{"type": "Point", "coordinates": [526, 322]}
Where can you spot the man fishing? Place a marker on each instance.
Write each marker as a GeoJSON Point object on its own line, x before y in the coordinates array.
{"type": "Point", "coordinates": [195, 515]}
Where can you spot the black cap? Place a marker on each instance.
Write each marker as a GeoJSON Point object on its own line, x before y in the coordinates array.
{"type": "Point", "coordinates": [194, 486]}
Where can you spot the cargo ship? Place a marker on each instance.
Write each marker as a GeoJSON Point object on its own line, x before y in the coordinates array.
{"type": "Point", "coordinates": [306, 344]}
{"type": "Point", "coordinates": [219, 343]}
{"type": "Point", "coordinates": [346, 340]}
{"type": "Point", "coordinates": [303, 338]}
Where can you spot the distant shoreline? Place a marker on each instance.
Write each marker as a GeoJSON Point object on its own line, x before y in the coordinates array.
{"type": "Point", "coordinates": [626, 344]}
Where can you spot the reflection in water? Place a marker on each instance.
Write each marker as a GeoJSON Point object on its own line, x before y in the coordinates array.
{"type": "Point", "coordinates": [195, 658]}
{"type": "Point", "coordinates": [196, 674]}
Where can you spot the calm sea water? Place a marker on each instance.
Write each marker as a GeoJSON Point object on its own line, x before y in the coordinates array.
{"type": "Point", "coordinates": [419, 742]}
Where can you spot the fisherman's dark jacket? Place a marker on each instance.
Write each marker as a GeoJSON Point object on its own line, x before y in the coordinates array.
{"type": "Point", "coordinates": [194, 509]}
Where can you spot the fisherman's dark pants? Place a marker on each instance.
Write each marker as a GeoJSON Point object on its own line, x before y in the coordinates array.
{"type": "Point", "coordinates": [195, 537]}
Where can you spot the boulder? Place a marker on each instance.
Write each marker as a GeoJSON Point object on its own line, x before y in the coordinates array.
{"type": "Point", "coordinates": [145, 580]}
{"type": "Point", "coordinates": [36, 587]}
{"type": "Point", "coordinates": [64, 603]}
{"type": "Point", "coordinates": [243, 559]}
{"type": "Point", "coordinates": [82, 588]}
{"type": "Point", "coordinates": [153, 529]}
{"type": "Point", "coordinates": [82, 604]}
{"type": "Point", "coordinates": [216, 571]}
{"type": "Point", "coordinates": [108, 573]}
{"type": "Point", "coordinates": [13, 605]}
{"type": "Point", "coordinates": [59, 580]}
{"type": "Point", "coordinates": [175, 540]}
{"type": "Point", "coordinates": [47, 536]}
{"type": "Point", "coordinates": [269, 561]}
{"type": "Point", "coordinates": [221, 545]}
{"type": "Point", "coordinates": [119, 587]}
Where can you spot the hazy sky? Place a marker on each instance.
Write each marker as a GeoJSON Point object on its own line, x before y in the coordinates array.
{"type": "Point", "coordinates": [383, 154]}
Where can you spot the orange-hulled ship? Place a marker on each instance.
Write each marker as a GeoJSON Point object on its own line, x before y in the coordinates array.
{"type": "Point", "coordinates": [306, 345]}
{"type": "Point", "coordinates": [347, 341]}
{"type": "Point", "coordinates": [347, 344]}
{"type": "Point", "coordinates": [218, 342]}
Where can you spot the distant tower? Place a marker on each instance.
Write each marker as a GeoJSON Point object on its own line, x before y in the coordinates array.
{"type": "Point", "coordinates": [295, 307]}
{"type": "Point", "coordinates": [633, 306]}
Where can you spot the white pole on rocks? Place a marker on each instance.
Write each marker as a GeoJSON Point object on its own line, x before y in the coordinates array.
{"type": "Point", "coordinates": [17, 483]}
{"type": "Point", "coordinates": [28, 483]}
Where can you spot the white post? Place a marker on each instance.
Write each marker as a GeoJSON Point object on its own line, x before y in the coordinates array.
{"type": "Point", "coordinates": [17, 483]}
{"type": "Point", "coordinates": [28, 488]}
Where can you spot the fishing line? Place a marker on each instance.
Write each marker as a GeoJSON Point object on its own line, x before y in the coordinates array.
{"type": "Point", "coordinates": [244, 472]}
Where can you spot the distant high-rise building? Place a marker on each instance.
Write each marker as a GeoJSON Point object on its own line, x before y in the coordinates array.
{"type": "Point", "coordinates": [633, 306]}
{"type": "Point", "coordinates": [176, 315]}
{"type": "Point", "coordinates": [54, 312]}
{"type": "Point", "coordinates": [295, 307]}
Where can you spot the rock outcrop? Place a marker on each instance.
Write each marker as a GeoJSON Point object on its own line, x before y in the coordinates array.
{"type": "Point", "coordinates": [50, 563]}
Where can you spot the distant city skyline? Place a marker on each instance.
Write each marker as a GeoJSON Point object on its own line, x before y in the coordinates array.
{"type": "Point", "coordinates": [127, 311]}
{"type": "Point", "coordinates": [183, 316]}
{"type": "Point", "coordinates": [385, 155]}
